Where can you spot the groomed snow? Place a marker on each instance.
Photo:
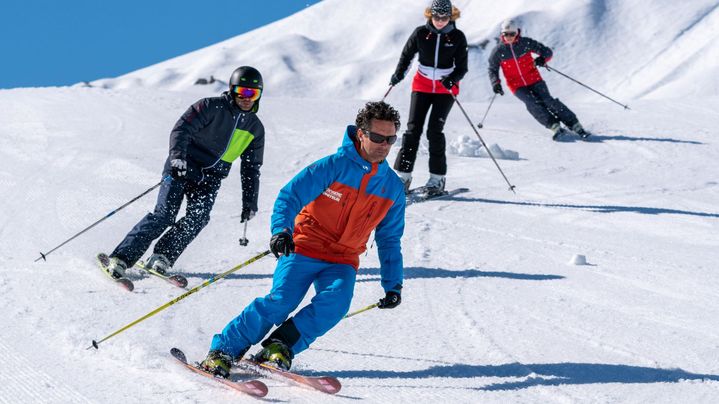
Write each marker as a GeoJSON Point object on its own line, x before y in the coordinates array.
{"type": "Point", "coordinates": [492, 310]}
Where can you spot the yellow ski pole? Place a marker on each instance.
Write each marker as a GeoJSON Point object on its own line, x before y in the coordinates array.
{"type": "Point", "coordinates": [370, 307]}
{"type": "Point", "coordinates": [95, 344]}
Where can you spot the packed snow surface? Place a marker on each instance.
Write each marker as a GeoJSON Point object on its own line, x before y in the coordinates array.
{"type": "Point", "coordinates": [493, 308]}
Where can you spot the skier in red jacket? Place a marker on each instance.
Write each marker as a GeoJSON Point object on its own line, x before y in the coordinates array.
{"type": "Point", "coordinates": [514, 55]}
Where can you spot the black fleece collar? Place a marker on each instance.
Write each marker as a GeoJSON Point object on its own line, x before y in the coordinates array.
{"type": "Point", "coordinates": [447, 28]}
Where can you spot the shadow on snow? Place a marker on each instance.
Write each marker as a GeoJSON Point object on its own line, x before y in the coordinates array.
{"type": "Point", "coordinates": [592, 208]}
{"type": "Point", "coordinates": [601, 138]}
{"type": "Point", "coordinates": [550, 374]}
{"type": "Point", "coordinates": [409, 273]}
{"type": "Point", "coordinates": [431, 273]}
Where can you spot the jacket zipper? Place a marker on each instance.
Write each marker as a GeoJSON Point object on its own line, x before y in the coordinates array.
{"type": "Point", "coordinates": [360, 192]}
{"type": "Point", "coordinates": [342, 213]}
{"type": "Point", "coordinates": [436, 63]}
{"type": "Point", "coordinates": [516, 62]}
{"type": "Point", "coordinates": [226, 146]}
{"type": "Point", "coordinates": [368, 216]}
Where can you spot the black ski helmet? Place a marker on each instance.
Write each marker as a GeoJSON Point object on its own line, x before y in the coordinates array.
{"type": "Point", "coordinates": [247, 76]}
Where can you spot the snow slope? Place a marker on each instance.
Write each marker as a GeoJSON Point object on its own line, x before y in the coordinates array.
{"type": "Point", "coordinates": [341, 49]}
{"type": "Point", "coordinates": [491, 311]}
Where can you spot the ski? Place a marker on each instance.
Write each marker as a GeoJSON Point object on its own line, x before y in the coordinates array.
{"type": "Point", "coordinates": [103, 260]}
{"type": "Point", "coordinates": [586, 136]}
{"type": "Point", "coordinates": [423, 197]}
{"type": "Point", "coordinates": [561, 135]}
{"type": "Point", "coordinates": [253, 388]}
{"type": "Point", "coordinates": [565, 135]}
{"type": "Point", "coordinates": [177, 280]}
{"type": "Point", "coordinates": [418, 190]}
{"type": "Point", "coordinates": [325, 384]}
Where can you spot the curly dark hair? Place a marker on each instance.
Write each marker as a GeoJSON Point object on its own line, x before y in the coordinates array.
{"type": "Point", "coordinates": [376, 110]}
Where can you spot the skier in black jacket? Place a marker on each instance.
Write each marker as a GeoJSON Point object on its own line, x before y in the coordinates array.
{"type": "Point", "coordinates": [209, 136]}
{"type": "Point", "coordinates": [442, 52]}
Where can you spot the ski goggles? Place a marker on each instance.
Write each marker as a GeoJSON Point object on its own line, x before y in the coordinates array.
{"type": "Point", "coordinates": [377, 138]}
{"type": "Point", "coordinates": [247, 92]}
{"type": "Point", "coordinates": [509, 33]}
{"type": "Point", "coordinates": [437, 17]}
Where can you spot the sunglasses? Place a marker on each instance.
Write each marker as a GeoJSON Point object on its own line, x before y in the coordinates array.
{"type": "Point", "coordinates": [440, 18]}
{"type": "Point", "coordinates": [247, 92]}
{"type": "Point", "coordinates": [509, 34]}
{"type": "Point", "coordinates": [377, 138]}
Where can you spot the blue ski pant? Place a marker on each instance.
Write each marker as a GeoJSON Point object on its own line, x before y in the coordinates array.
{"type": "Point", "coordinates": [334, 287]}
{"type": "Point", "coordinates": [543, 107]}
{"type": "Point", "coordinates": [200, 199]}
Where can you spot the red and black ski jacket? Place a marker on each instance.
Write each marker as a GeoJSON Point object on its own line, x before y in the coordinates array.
{"type": "Point", "coordinates": [517, 62]}
{"type": "Point", "coordinates": [441, 53]}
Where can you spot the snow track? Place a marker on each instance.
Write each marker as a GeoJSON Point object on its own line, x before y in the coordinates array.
{"type": "Point", "coordinates": [23, 381]}
{"type": "Point", "coordinates": [491, 311]}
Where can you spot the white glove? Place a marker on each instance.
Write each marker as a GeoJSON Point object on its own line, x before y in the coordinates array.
{"type": "Point", "coordinates": [179, 168]}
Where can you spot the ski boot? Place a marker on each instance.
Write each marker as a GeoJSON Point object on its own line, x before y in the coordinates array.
{"type": "Point", "coordinates": [276, 354]}
{"type": "Point", "coordinates": [116, 268]}
{"type": "Point", "coordinates": [557, 131]}
{"type": "Point", "coordinates": [218, 363]}
{"type": "Point", "coordinates": [435, 184]}
{"type": "Point", "coordinates": [406, 179]}
{"type": "Point", "coordinates": [159, 263]}
{"type": "Point", "coordinates": [579, 130]}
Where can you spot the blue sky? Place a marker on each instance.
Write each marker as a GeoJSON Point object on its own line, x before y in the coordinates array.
{"type": "Point", "coordinates": [62, 42]}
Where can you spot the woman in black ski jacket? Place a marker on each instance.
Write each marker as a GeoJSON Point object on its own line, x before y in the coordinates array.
{"type": "Point", "coordinates": [442, 52]}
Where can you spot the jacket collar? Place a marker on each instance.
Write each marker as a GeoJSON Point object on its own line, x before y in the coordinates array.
{"type": "Point", "coordinates": [447, 28]}
{"type": "Point", "coordinates": [349, 149]}
{"type": "Point", "coordinates": [519, 35]}
{"type": "Point", "coordinates": [231, 102]}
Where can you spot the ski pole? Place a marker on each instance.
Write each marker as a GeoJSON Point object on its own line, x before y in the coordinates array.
{"type": "Point", "coordinates": [370, 307]}
{"type": "Point", "coordinates": [586, 86]}
{"type": "Point", "coordinates": [95, 344]}
{"type": "Point", "coordinates": [511, 187]}
{"type": "Point", "coordinates": [387, 93]}
{"type": "Point", "coordinates": [480, 125]}
{"type": "Point", "coordinates": [43, 256]}
{"type": "Point", "coordinates": [243, 240]}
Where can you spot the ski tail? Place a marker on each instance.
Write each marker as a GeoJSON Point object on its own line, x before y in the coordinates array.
{"type": "Point", "coordinates": [324, 384]}
{"type": "Point", "coordinates": [253, 388]}
{"type": "Point", "coordinates": [411, 199]}
{"type": "Point", "coordinates": [175, 279]}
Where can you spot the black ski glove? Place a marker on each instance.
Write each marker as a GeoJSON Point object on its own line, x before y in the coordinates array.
{"type": "Point", "coordinates": [540, 61]}
{"type": "Point", "coordinates": [395, 79]}
{"type": "Point", "coordinates": [447, 82]}
{"type": "Point", "coordinates": [391, 300]}
{"type": "Point", "coordinates": [179, 168]}
{"type": "Point", "coordinates": [246, 215]}
{"type": "Point", "coordinates": [282, 243]}
{"type": "Point", "coordinates": [497, 88]}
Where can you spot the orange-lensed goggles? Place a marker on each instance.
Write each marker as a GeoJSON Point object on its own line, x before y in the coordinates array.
{"type": "Point", "coordinates": [247, 92]}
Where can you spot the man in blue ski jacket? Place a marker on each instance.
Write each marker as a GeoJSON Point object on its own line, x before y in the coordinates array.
{"type": "Point", "coordinates": [321, 223]}
{"type": "Point", "coordinates": [206, 140]}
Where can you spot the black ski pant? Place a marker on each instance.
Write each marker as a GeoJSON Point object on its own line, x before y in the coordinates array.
{"type": "Point", "coordinates": [200, 199]}
{"type": "Point", "coordinates": [420, 104]}
{"type": "Point", "coordinates": [545, 109]}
